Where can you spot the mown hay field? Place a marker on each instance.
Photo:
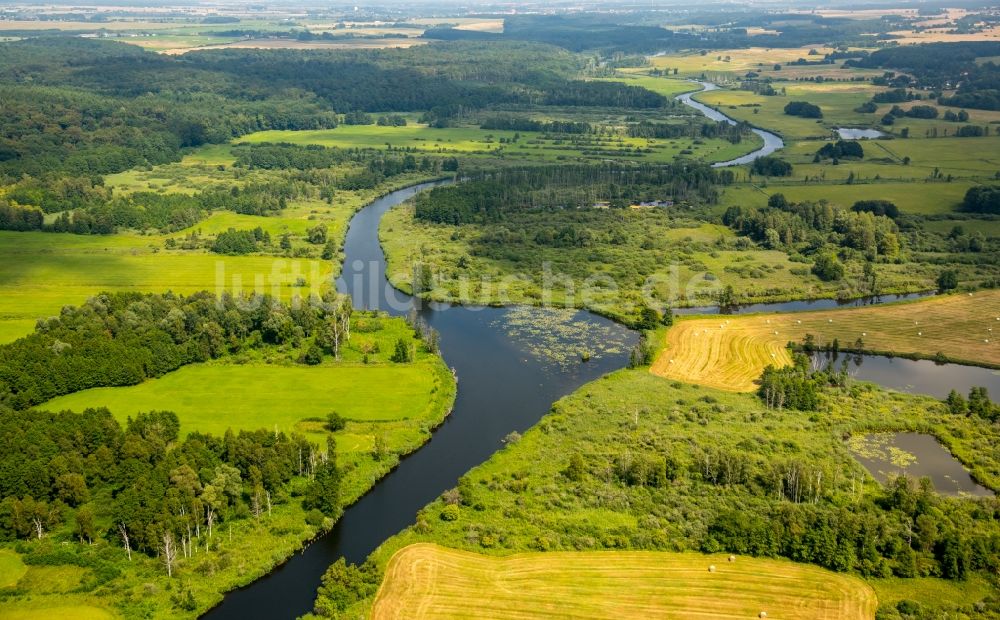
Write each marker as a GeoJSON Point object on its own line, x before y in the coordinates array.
{"type": "Point", "coordinates": [429, 581]}
{"type": "Point", "coordinates": [730, 352]}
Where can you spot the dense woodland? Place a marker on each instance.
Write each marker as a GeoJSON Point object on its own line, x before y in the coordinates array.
{"type": "Point", "coordinates": [118, 107]}
{"type": "Point", "coordinates": [85, 206]}
{"type": "Point", "coordinates": [811, 227]}
{"type": "Point", "coordinates": [492, 196]}
{"type": "Point", "coordinates": [145, 489]}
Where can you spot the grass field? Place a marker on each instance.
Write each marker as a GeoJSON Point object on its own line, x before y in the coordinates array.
{"type": "Point", "coordinates": [11, 568]}
{"type": "Point", "coordinates": [914, 198]}
{"type": "Point", "coordinates": [373, 393]}
{"type": "Point", "coordinates": [730, 352]}
{"type": "Point", "coordinates": [46, 609]}
{"type": "Point", "coordinates": [429, 581]}
{"type": "Point", "coordinates": [838, 101]}
{"type": "Point", "coordinates": [530, 146]}
{"type": "Point", "coordinates": [397, 403]}
{"type": "Point", "coordinates": [41, 272]}
{"type": "Point", "coordinates": [44, 580]}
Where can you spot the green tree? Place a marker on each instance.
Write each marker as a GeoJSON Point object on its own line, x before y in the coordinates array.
{"type": "Point", "coordinates": [323, 493]}
{"type": "Point", "coordinates": [827, 267]}
{"type": "Point", "coordinates": [947, 280]}
{"type": "Point", "coordinates": [401, 354]}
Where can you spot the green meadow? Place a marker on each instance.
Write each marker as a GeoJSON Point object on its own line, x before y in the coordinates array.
{"type": "Point", "coordinates": [530, 146]}
{"type": "Point", "coordinates": [375, 393]}
{"type": "Point", "coordinates": [923, 198]}
{"type": "Point", "coordinates": [381, 401]}
{"type": "Point", "coordinates": [41, 272]}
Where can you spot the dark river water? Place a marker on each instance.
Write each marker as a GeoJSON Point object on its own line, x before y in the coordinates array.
{"type": "Point", "coordinates": [504, 386]}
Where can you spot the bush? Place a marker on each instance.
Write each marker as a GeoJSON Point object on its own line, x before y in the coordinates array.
{"type": "Point", "coordinates": [235, 242]}
{"type": "Point", "coordinates": [922, 111]}
{"type": "Point", "coordinates": [877, 207]}
{"type": "Point", "coordinates": [827, 267]}
{"type": "Point", "coordinates": [450, 512]}
{"type": "Point", "coordinates": [772, 167]}
{"type": "Point", "coordinates": [335, 422]}
{"type": "Point", "coordinates": [948, 280]}
{"type": "Point", "coordinates": [803, 109]}
{"type": "Point", "coordinates": [841, 149]}
{"type": "Point", "coordinates": [982, 199]}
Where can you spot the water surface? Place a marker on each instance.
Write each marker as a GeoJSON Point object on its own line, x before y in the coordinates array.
{"type": "Point", "coordinates": [917, 376]}
{"type": "Point", "coordinates": [887, 455]}
{"type": "Point", "coordinates": [772, 142]}
{"type": "Point", "coordinates": [857, 133]}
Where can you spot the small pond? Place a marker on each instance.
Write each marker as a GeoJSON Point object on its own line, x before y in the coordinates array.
{"type": "Point", "coordinates": [885, 455]}
{"type": "Point", "coordinates": [857, 133]}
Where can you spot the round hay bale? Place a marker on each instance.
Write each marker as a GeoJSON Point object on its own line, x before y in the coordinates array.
{"type": "Point", "coordinates": [762, 614]}
{"type": "Point", "coordinates": [732, 558]}
{"type": "Point", "coordinates": [711, 568]}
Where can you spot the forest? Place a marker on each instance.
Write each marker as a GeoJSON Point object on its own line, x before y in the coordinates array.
{"type": "Point", "coordinates": [119, 107]}
{"type": "Point", "coordinates": [491, 196]}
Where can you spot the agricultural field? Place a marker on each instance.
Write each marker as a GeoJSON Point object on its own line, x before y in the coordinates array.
{"type": "Point", "coordinates": [529, 147]}
{"type": "Point", "coordinates": [429, 581]}
{"type": "Point", "coordinates": [730, 352]}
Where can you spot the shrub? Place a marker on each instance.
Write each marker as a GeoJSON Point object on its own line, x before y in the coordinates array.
{"type": "Point", "coordinates": [922, 111]}
{"type": "Point", "coordinates": [827, 267]}
{"type": "Point", "coordinates": [772, 167]}
{"type": "Point", "coordinates": [877, 207]}
{"type": "Point", "coordinates": [803, 109]}
{"type": "Point", "coordinates": [982, 199]}
{"type": "Point", "coordinates": [841, 149]}
{"type": "Point", "coordinates": [235, 242]}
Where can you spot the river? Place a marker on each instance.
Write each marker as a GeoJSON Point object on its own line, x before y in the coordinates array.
{"type": "Point", "coordinates": [772, 142]}
{"type": "Point", "coordinates": [504, 386]}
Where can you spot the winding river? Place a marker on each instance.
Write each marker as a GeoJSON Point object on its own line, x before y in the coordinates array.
{"type": "Point", "coordinates": [505, 385]}
{"type": "Point", "coordinates": [772, 142]}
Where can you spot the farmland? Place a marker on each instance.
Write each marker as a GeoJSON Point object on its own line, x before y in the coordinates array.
{"type": "Point", "coordinates": [428, 581]}
{"type": "Point", "coordinates": [731, 352]}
